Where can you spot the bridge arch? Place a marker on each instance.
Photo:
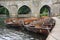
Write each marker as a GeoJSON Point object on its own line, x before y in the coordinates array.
{"type": "Point", "coordinates": [4, 11]}
{"type": "Point", "coordinates": [45, 11]}
{"type": "Point", "coordinates": [24, 10]}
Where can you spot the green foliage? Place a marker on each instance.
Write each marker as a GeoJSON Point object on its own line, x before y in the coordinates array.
{"type": "Point", "coordinates": [4, 11]}
{"type": "Point", "coordinates": [44, 11]}
{"type": "Point", "coordinates": [24, 10]}
{"type": "Point", "coordinates": [44, 14]}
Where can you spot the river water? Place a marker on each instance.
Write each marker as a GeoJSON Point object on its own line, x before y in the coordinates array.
{"type": "Point", "coordinates": [14, 34]}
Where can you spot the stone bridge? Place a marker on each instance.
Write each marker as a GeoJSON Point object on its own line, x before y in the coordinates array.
{"type": "Point", "coordinates": [34, 5]}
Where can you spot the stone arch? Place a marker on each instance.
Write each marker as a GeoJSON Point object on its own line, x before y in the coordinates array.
{"type": "Point", "coordinates": [45, 9]}
{"type": "Point", "coordinates": [24, 10]}
{"type": "Point", "coordinates": [4, 11]}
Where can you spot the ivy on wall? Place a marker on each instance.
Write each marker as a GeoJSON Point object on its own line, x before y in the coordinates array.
{"type": "Point", "coordinates": [24, 10]}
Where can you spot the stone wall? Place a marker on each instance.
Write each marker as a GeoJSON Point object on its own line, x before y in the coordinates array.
{"type": "Point", "coordinates": [34, 5]}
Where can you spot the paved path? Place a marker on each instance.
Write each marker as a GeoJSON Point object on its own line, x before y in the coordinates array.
{"type": "Point", "coordinates": [55, 33]}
